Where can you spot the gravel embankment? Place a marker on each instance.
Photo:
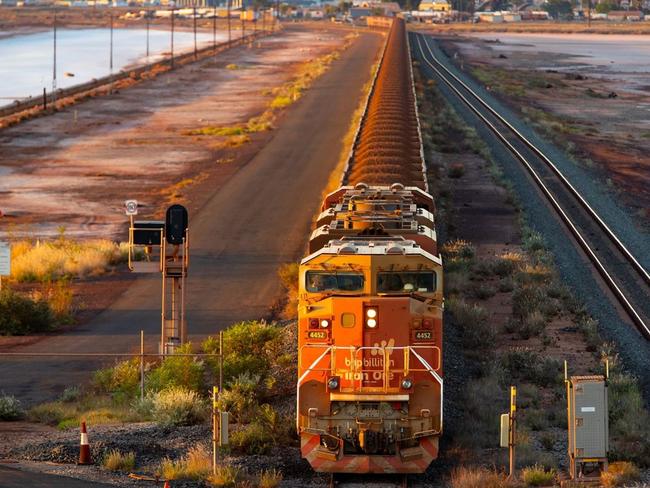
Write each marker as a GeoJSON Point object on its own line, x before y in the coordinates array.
{"type": "Point", "coordinates": [635, 351]}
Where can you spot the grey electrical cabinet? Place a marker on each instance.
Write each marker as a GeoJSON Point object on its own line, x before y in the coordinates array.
{"type": "Point", "coordinates": [588, 425]}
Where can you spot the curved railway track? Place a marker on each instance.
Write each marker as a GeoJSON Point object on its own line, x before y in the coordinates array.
{"type": "Point", "coordinates": [388, 146]}
{"type": "Point", "coordinates": [619, 269]}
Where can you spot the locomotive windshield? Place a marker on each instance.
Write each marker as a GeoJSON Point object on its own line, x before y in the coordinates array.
{"type": "Point", "coordinates": [318, 281]}
{"type": "Point", "coordinates": [406, 281]}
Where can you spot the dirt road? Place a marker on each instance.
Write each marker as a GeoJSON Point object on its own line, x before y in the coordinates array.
{"type": "Point", "coordinates": [257, 220]}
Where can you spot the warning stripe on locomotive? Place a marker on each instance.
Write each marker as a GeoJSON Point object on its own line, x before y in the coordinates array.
{"type": "Point", "coordinates": [362, 463]}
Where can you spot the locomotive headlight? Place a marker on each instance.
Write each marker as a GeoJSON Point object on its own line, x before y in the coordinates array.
{"type": "Point", "coordinates": [372, 323]}
{"type": "Point", "coordinates": [407, 383]}
{"type": "Point", "coordinates": [324, 323]}
{"type": "Point", "coordinates": [371, 313]}
{"type": "Point", "coordinates": [333, 383]}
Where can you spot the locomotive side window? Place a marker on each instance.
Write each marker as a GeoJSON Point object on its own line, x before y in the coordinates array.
{"type": "Point", "coordinates": [401, 282]}
{"type": "Point", "coordinates": [318, 281]}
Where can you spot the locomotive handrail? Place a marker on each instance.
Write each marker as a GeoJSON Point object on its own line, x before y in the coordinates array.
{"type": "Point", "coordinates": [358, 372]}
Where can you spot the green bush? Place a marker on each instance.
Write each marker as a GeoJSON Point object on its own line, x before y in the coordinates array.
{"type": "Point", "coordinates": [629, 421]}
{"type": "Point", "coordinates": [536, 419]}
{"type": "Point", "coordinates": [20, 315]}
{"type": "Point", "coordinates": [252, 439]}
{"type": "Point", "coordinates": [177, 371]}
{"type": "Point", "coordinates": [472, 321]}
{"type": "Point", "coordinates": [121, 381]}
{"type": "Point", "coordinates": [248, 348]}
{"type": "Point", "coordinates": [176, 406]}
{"type": "Point", "coordinates": [10, 408]}
{"type": "Point", "coordinates": [240, 398]}
{"type": "Point", "coordinates": [522, 364]}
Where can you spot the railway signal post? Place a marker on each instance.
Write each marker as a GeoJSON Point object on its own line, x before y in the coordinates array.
{"type": "Point", "coordinates": [163, 247]}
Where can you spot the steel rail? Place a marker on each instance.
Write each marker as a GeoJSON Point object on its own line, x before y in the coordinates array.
{"type": "Point", "coordinates": [607, 277]}
{"type": "Point", "coordinates": [592, 213]}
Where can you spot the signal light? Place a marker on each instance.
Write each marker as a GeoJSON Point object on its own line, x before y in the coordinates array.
{"type": "Point", "coordinates": [372, 323]}
{"type": "Point", "coordinates": [324, 323]}
{"type": "Point", "coordinates": [407, 383]}
{"type": "Point", "coordinates": [313, 323]}
{"type": "Point", "coordinates": [427, 323]}
{"type": "Point", "coordinates": [371, 313]}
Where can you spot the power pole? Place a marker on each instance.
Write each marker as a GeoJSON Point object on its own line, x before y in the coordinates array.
{"type": "Point", "coordinates": [172, 41]}
{"type": "Point", "coordinates": [54, 64]}
{"type": "Point", "coordinates": [194, 20]}
{"type": "Point", "coordinates": [242, 16]}
{"type": "Point", "coordinates": [147, 35]}
{"type": "Point", "coordinates": [228, 14]}
{"type": "Point", "coordinates": [110, 62]}
{"type": "Point", "coordinates": [214, 28]}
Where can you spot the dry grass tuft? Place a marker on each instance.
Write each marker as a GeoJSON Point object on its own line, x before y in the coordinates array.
{"type": "Point", "coordinates": [43, 261]}
{"type": "Point", "coordinates": [538, 476]}
{"type": "Point", "coordinates": [195, 465]}
{"type": "Point", "coordinates": [619, 474]}
{"type": "Point", "coordinates": [270, 478]}
{"type": "Point", "coordinates": [466, 477]}
{"type": "Point", "coordinates": [225, 476]}
{"type": "Point", "coordinates": [117, 461]}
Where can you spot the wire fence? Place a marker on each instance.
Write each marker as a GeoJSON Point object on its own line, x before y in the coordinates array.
{"type": "Point", "coordinates": [141, 354]}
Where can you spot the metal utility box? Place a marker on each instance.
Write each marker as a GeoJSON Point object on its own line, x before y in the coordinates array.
{"type": "Point", "coordinates": [147, 232]}
{"type": "Point", "coordinates": [588, 426]}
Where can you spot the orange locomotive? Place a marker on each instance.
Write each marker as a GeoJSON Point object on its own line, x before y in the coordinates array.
{"type": "Point", "coordinates": [370, 307]}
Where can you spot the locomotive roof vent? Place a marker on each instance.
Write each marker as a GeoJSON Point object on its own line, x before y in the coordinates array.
{"type": "Point", "coordinates": [361, 187]}
{"type": "Point", "coordinates": [347, 250]}
{"type": "Point", "coordinates": [395, 250]}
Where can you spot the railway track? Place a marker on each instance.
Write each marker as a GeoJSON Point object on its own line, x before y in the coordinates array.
{"type": "Point", "coordinates": [388, 145]}
{"type": "Point", "coordinates": [620, 270]}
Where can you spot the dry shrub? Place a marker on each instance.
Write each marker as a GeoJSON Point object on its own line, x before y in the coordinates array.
{"type": "Point", "coordinates": [195, 465]}
{"type": "Point", "coordinates": [116, 461]}
{"type": "Point", "coordinates": [288, 274]}
{"type": "Point", "coordinates": [478, 477]}
{"type": "Point", "coordinates": [44, 261]}
{"type": "Point", "coordinates": [538, 476]}
{"type": "Point", "coordinates": [618, 474]}
{"type": "Point", "coordinates": [224, 476]}
{"type": "Point", "coordinates": [270, 478]}
{"type": "Point", "coordinates": [178, 406]}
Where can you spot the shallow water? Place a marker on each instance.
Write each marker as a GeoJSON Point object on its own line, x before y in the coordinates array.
{"type": "Point", "coordinates": [26, 61]}
{"type": "Point", "coordinates": [610, 53]}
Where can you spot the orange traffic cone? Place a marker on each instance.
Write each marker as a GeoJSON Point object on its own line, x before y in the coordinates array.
{"type": "Point", "coordinates": [84, 447]}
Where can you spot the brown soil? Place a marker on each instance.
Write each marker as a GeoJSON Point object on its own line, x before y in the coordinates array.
{"type": "Point", "coordinates": [75, 168]}
{"type": "Point", "coordinates": [575, 109]}
{"type": "Point", "coordinates": [484, 217]}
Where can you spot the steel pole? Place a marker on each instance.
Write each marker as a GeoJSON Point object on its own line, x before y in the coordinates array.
{"type": "Point", "coordinates": [228, 14]}
{"type": "Point", "coordinates": [214, 28]}
{"type": "Point", "coordinates": [194, 21]}
{"type": "Point", "coordinates": [147, 35]}
{"type": "Point", "coordinates": [172, 39]}
{"type": "Point", "coordinates": [54, 64]}
{"type": "Point", "coordinates": [142, 364]}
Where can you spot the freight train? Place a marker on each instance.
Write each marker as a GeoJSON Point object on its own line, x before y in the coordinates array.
{"type": "Point", "coordinates": [370, 304]}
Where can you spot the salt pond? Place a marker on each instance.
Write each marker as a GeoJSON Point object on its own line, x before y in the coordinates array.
{"type": "Point", "coordinates": [26, 61]}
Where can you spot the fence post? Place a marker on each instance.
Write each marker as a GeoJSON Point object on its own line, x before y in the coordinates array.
{"type": "Point", "coordinates": [221, 360]}
{"type": "Point", "coordinates": [215, 430]}
{"type": "Point", "coordinates": [142, 364]}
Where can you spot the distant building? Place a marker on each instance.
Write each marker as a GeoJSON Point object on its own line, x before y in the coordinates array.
{"type": "Point", "coordinates": [629, 15]}
{"type": "Point", "coordinates": [434, 6]}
